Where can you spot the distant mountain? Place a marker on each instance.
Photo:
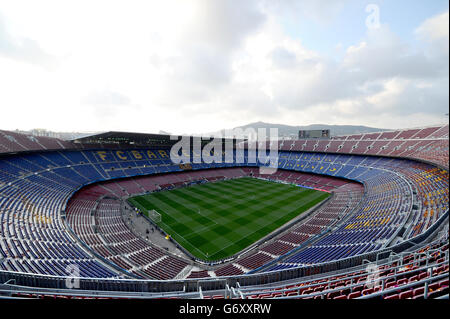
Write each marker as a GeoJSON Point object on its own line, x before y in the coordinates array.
{"type": "Point", "coordinates": [335, 130]}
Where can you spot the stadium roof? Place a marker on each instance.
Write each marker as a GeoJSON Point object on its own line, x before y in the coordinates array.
{"type": "Point", "coordinates": [139, 139]}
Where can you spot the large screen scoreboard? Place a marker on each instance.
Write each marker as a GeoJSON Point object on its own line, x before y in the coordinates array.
{"type": "Point", "coordinates": [314, 134]}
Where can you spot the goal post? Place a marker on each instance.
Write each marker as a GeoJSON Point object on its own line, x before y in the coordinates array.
{"type": "Point", "coordinates": [154, 216]}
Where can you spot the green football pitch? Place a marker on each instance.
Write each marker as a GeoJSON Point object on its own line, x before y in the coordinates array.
{"type": "Point", "coordinates": [216, 220]}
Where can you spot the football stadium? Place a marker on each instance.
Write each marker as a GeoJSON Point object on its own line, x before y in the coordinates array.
{"type": "Point", "coordinates": [219, 157]}
{"type": "Point", "coordinates": [112, 216]}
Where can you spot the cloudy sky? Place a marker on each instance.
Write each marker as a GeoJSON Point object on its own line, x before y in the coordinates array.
{"type": "Point", "coordinates": [202, 65]}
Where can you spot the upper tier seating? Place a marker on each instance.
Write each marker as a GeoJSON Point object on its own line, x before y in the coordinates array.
{"type": "Point", "coordinates": [429, 143]}
{"type": "Point", "coordinates": [17, 142]}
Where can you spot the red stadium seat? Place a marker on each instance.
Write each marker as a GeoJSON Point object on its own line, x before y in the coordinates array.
{"type": "Point", "coordinates": [406, 294]}
{"type": "Point", "coordinates": [355, 294]}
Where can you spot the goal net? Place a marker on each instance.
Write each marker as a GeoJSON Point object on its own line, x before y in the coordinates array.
{"type": "Point", "coordinates": [154, 215]}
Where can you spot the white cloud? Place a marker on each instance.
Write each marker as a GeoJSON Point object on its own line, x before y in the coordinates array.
{"type": "Point", "coordinates": [208, 65]}
{"type": "Point", "coordinates": [435, 28]}
{"type": "Point", "coordinates": [105, 97]}
{"type": "Point", "coordinates": [24, 49]}
{"type": "Point", "coordinates": [434, 32]}
{"type": "Point", "coordinates": [322, 12]}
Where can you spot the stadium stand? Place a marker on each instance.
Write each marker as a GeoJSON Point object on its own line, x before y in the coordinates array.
{"type": "Point", "coordinates": [60, 205]}
{"type": "Point", "coordinates": [428, 143]}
